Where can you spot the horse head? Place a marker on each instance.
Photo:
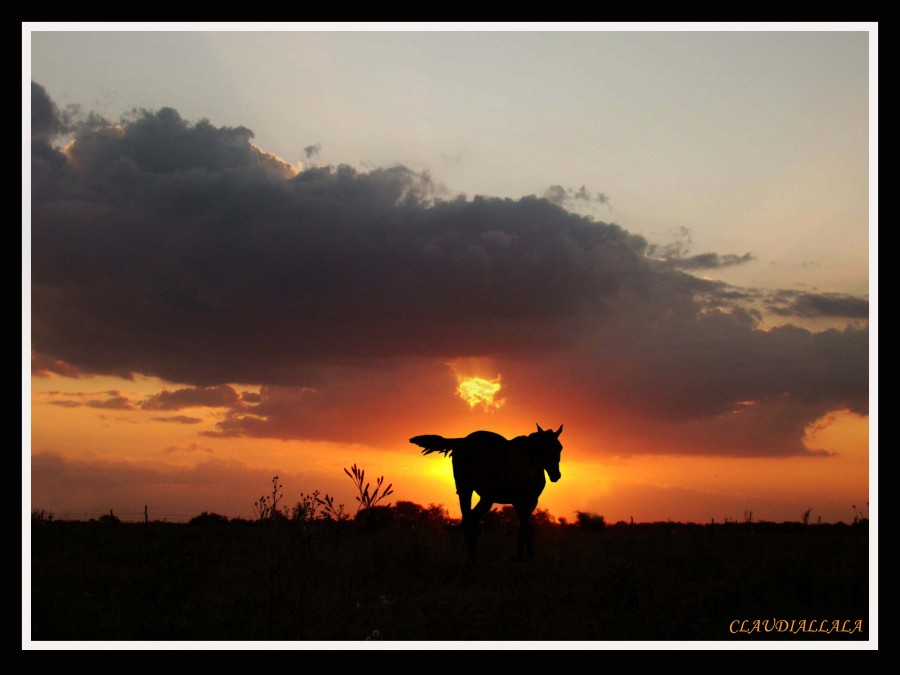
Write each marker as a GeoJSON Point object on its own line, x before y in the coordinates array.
{"type": "Point", "coordinates": [549, 450]}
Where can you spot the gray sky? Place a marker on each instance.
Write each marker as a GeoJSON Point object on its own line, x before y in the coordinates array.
{"type": "Point", "coordinates": [732, 142]}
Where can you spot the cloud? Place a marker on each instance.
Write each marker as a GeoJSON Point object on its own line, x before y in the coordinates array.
{"type": "Point", "coordinates": [312, 150]}
{"type": "Point", "coordinates": [179, 419]}
{"type": "Point", "coordinates": [67, 404]}
{"type": "Point", "coordinates": [43, 366]}
{"type": "Point", "coordinates": [182, 251]}
{"type": "Point", "coordinates": [46, 121]}
{"type": "Point", "coordinates": [708, 261]}
{"type": "Point", "coordinates": [193, 447]}
{"type": "Point", "coordinates": [351, 404]}
{"type": "Point", "coordinates": [813, 305]}
{"type": "Point", "coordinates": [114, 400]}
{"type": "Point", "coordinates": [217, 269]}
{"type": "Point", "coordinates": [566, 196]}
{"type": "Point", "coordinates": [114, 403]}
{"type": "Point", "coordinates": [675, 254]}
{"type": "Point", "coordinates": [191, 397]}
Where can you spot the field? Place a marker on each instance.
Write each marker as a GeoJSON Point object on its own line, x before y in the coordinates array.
{"type": "Point", "coordinates": [392, 578]}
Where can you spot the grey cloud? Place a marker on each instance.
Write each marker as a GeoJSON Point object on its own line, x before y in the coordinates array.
{"type": "Point", "coordinates": [181, 251]}
{"type": "Point", "coordinates": [707, 261]}
{"type": "Point", "coordinates": [43, 366]}
{"type": "Point", "coordinates": [349, 403]}
{"type": "Point", "coordinates": [66, 404]}
{"type": "Point", "coordinates": [216, 268]}
{"type": "Point", "coordinates": [178, 419]}
{"type": "Point", "coordinates": [678, 247]}
{"type": "Point", "coordinates": [163, 143]}
{"type": "Point", "coordinates": [556, 194]}
{"type": "Point", "coordinates": [312, 150]}
{"type": "Point", "coordinates": [114, 403]}
{"type": "Point", "coordinates": [675, 254]}
{"type": "Point", "coordinates": [561, 195]}
{"type": "Point", "coordinates": [114, 400]}
{"type": "Point", "coordinates": [47, 123]}
{"type": "Point", "coordinates": [45, 118]}
{"type": "Point", "coordinates": [814, 305]}
{"type": "Point", "coordinates": [192, 397]}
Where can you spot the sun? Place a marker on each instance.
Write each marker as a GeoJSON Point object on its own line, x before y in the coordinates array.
{"type": "Point", "coordinates": [478, 391]}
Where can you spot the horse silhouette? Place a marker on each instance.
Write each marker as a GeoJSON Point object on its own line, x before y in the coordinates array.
{"type": "Point", "coordinates": [501, 471]}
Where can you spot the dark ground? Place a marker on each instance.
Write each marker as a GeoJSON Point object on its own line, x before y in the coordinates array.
{"type": "Point", "coordinates": [413, 581]}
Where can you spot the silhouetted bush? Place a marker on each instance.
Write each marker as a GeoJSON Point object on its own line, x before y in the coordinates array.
{"type": "Point", "coordinates": [207, 518]}
{"type": "Point", "coordinates": [590, 521]}
{"type": "Point", "coordinates": [376, 517]}
{"type": "Point", "coordinates": [109, 519]}
{"type": "Point", "coordinates": [41, 517]}
{"type": "Point", "coordinates": [366, 498]}
{"type": "Point", "coordinates": [267, 505]}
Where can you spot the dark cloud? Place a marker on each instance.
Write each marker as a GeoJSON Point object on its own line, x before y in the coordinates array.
{"type": "Point", "coordinates": [66, 404]}
{"type": "Point", "coordinates": [815, 305]}
{"type": "Point", "coordinates": [182, 251]}
{"type": "Point", "coordinates": [114, 403]}
{"type": "Point", "coordinates": [679, 245]}
{"type": "Point", "coordinates": [45, 117]}
{"type": "Point", "coordinates": [192, 397]}
{"type": "Point", "coordinates": [114, 400]}
{"type": "Point", "coordinates": [312, 150]}
{"type": "Point", "coordinates": [562, 196]}
{"type": "Point", "coordinates": [48, 122]}
{"type": "Point", "coordinates": [708, 261]}
{"type": "Point", "coordinates": [675, 254]}
{"type": "Point", "coordinates": [43, 366]}
{"type": "Point", "coordinates": [349, 403]}
{"type": "Point", "coordinates": [178, 419]}
{"type": "Point", "coordinates": [199, 264]}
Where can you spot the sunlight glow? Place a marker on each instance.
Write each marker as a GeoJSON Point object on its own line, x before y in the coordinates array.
{"type": "Point", "coordinates": [478, 391]}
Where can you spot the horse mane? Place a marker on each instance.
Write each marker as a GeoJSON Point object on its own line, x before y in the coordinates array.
{"type": "Point", "coordinates": [527, 445]}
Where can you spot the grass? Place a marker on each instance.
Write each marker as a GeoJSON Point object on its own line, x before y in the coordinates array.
{"type": "Point", "coordinates": [406, 576]}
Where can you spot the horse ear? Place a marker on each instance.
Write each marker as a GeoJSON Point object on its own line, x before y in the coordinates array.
{"type": "Point", "coordinates": [559, 431]}
{"type": "Point", "coordinates": [539, 427]}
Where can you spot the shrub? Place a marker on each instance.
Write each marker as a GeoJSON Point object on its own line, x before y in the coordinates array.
{"type": "Point", "coordinates": [590, 521]}
{"type": "Point", "coordinates": [267, 506]}
{"type": "Point", "coordinates": [207, 518]}
{"type": "Point", "coordinates": [366, 498]}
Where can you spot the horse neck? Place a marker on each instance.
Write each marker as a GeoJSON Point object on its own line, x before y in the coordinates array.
{"type": "Point", "coordinates": [527, 445]}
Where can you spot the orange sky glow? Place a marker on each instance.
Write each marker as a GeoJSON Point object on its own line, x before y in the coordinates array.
{"type": "Point", "coordinates": [218, 290]}
{"type": "Point", "coordinates": [88, 459]}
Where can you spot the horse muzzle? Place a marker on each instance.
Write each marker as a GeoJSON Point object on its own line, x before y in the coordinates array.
{"type": "Point", "coordinates": [555, 476]}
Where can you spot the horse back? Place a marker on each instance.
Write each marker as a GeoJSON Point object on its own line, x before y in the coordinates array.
{"type": "Point", "coordinates": [496, 468]}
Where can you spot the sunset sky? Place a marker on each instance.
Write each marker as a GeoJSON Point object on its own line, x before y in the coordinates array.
{"type": "Point", "coordinates": [257, 253]}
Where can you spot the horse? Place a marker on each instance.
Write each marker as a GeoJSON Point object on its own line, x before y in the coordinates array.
{"type": "Point", "coordinates": [501, 471]}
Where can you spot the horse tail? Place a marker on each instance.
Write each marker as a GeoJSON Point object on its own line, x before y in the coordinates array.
{"type": "Point", "coordinates": [433, 443]}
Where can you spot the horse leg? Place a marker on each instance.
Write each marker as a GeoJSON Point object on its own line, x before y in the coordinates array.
{"type": "Point", "coordinates": [525, 545]}
{"type": "Point", "coordinates": [465, 507]}
{"type": "Point", "coordinates": [470, 524]}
